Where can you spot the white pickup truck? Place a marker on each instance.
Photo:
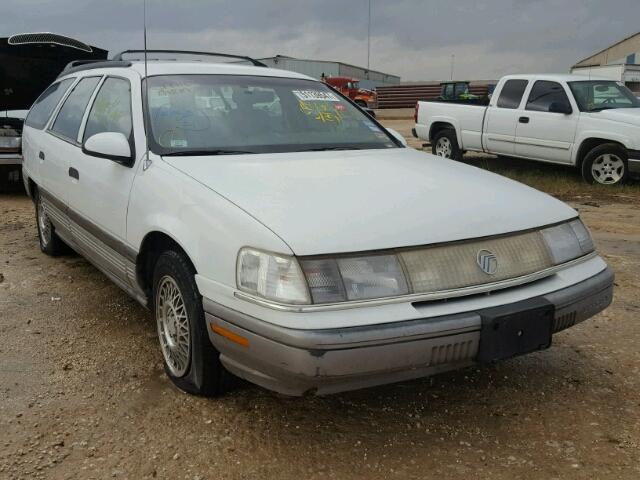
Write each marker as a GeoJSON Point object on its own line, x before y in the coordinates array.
{"type": "Point", "coordinates": [592, 124]}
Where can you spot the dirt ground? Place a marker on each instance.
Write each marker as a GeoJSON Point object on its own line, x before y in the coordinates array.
{"type": "Point", "coordinates": [83, 394]}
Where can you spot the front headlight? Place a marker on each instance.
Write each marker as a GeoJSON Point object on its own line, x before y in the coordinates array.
{"type": "Point", "coordinates": [354, 278]}
{"type": "Point", "coordinates": [568, 241]}
{"type": "Point", "coordinates": [271, 276]}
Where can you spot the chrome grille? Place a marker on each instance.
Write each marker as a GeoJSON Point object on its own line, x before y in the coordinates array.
{"type": "Point", "coordinates": [462, 265]}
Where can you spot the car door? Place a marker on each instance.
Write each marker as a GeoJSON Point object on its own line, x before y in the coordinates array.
{"type": "Point", "coordinates": [547, 126]}
{"type": "Point", "coordinates": [99, 193]}
{"type": "Point", "coordinates": [35, 137]}
{"type": "Point", "coordinates": [502, 117]}
{"type": "Point", "coordinates": [61, 142]}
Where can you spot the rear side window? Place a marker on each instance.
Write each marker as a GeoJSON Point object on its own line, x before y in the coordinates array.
{"type": "Point", "coordinates": [69, 117]}
{"type": "Point", "coordinates": [511, 93]}
{"type": "Point", "coordinates": [45, 104]}
{"type": "Point", "coordinates": [544, 93]}
{"type": "Point", "coordinates": [111, 110]}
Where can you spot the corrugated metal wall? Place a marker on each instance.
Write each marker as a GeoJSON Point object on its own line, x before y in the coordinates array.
{"type": "Point", "coordinates": [406, 96]}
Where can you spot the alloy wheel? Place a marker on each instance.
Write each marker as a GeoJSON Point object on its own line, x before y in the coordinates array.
{"type": "Point", "coordinates": [607, 169]}
{"type": "Point", "coordinates": [444, 147]}
{"type": "Point", "coordinates": [173, 326]}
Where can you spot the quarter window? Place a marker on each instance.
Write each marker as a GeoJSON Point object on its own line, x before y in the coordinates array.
{"type": "Point", "coordinates": [111, 110]}
{"type": "Point", "coordinates": [43, 107]}
{"type": "Point", "coordinates": [511, 93]}
{"type": "Point", "coordinates": [544, 93]}
{"type": "Point", "coordinates": [68, 121]}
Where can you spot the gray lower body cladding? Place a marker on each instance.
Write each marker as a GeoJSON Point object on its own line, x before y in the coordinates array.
{"type": "Point", "coordinates": [296, 362]}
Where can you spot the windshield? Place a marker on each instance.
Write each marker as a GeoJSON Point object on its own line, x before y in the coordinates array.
{"type": "Point", "coordinates": [226, 114]}
{"type": "Point", "coordinates": [596, 95]}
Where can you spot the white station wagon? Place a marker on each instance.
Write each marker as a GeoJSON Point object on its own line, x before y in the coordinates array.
{"type": "Point", "coordinates": [280, 233]}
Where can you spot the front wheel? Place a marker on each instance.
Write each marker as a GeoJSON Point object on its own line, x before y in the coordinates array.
{"type": "Point", "coordinates": [445, 144]}
{"type": "Point", "coordinates": [190, 360]}
{"type": "Point", "coordinates": [606, 164]}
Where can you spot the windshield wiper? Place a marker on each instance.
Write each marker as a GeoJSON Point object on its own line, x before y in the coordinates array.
{"type": "Point", "coordinates": [195, 153]}
{"type": "Point", "coordinates": [326, 149]}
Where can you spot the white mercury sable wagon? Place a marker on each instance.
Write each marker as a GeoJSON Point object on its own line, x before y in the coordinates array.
{"type": "Point", "coordinates": [280, 233]}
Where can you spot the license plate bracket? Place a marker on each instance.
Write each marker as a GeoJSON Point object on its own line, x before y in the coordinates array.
{"type": "Point", "coordinates": [516, 329]}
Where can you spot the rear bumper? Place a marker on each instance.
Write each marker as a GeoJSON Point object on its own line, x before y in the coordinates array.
{"type": "Point", "coordinates": [296, 362]}
{"type": "Point", "coordinates": [10, 159]}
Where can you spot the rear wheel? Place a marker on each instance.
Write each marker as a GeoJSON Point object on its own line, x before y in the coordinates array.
{"type": "Point", "coordinates": [606, 164]}
{"type": "Point", "coordinates": [445, 144]}
{"type": "Point", "coordinates": [190, 360]}
{"type": "Point", "coordinates": [49, 241]}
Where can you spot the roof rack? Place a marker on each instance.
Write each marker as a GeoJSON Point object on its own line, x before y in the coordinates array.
{"type": "Point", "coordinates": [80, 65]}
{"type": "Point", "coordinates": [257, 63]}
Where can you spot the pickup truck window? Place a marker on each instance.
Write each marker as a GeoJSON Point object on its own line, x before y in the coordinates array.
{"type": "Point", "coordinates": [69, 117]}
{"type": "Point", "coordinates": [46, 103]}
{"type": "Point", "coordinates": [544, 93]}
{"type": "Point", "coordinates": [511, 93]}
{"type": "Point", "coordinates": [226, 114]}
{"type": "Point", "coordinates": [596, 95]}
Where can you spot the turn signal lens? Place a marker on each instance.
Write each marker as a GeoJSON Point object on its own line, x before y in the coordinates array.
{"type": "Point", "coordinates": [271, 276]}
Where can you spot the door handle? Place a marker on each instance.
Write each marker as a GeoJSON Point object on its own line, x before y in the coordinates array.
{"type": "Point", "coordinates": [41, 155]}
{"type": "Point", "coordinates": [73, 173]}
{"type": "Point", "coordinates": [523, 119]}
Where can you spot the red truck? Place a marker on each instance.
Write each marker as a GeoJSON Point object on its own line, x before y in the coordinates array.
{"type": "Point", "coordinates": [350, 87]}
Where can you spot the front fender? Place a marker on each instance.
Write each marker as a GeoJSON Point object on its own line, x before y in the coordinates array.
{"type": "Point", "coordinates": [208, 227]}
{"type": "Point", "coordinates": [617, 137]}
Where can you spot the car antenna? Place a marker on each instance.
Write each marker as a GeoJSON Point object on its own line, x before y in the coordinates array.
{"type": "Point", "coordinates": [147, 161]}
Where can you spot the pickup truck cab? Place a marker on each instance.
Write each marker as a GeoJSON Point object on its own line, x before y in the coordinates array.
{"type": "Point", "coordinates": [278, 232]}
{"type": "Point", "coordinates": [591, 124]}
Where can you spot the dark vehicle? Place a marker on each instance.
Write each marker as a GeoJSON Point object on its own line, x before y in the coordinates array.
{"type": "Point", "coordinates": [29, 62]}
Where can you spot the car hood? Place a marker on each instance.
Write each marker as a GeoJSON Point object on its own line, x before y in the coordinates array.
{"type": "Point", "coordinates": [623, 115]}
{"type": "Point", "coordinates": [348, 201]}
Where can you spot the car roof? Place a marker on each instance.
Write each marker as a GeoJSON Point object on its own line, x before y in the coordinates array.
{"type": "Point", "coordinates": [188, 68]}
{"type": "Point", "coordinates": [556, 77]}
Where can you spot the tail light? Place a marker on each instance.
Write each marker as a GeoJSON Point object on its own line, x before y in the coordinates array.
{"type": "Point", "coordinates": [415, 114]}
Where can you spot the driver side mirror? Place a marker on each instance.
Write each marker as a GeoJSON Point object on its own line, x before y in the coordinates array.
{"type": "Point", "coordinates": [110, 145]}
{"type": "Point", "coordinates": [560, 107]}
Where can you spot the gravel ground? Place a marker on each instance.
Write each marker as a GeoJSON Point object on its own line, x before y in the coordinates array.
{"type": "Point", "coordinates": [83, 394]}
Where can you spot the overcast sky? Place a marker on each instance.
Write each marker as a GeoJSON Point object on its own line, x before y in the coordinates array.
{"type": "Point", "coordinates": [411, 38]}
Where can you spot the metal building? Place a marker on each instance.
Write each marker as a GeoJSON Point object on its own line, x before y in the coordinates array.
{"type": "Point", "coordinates": [315, 69]}
{"type": "Point", "coordinates": [620, 61]}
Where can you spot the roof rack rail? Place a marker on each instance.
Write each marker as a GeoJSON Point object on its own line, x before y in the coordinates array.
{"type": "Point", "coordinates": [80, 65]}
{"type": "Point", "coordinates": [257, 63]}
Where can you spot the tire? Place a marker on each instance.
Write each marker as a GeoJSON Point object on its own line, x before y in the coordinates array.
{"type": "Point", "coordinates": [361, 103]}
{"type": "Point", "coordinates": [192, 363]}
{"type": "Point", "coordinates": [50, 243]}
{"type": "Point", "coordinates": [606, 165]}
{"type": "Point", "coordinates": [445, 144]}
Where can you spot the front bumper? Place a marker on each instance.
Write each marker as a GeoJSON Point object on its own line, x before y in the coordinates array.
{"type": "Point", "coordinates": [296, 362]}
{"type": "Point", "coordinates": [634, 163]}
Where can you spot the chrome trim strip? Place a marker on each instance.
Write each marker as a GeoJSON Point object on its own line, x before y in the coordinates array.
{"type": "Point", "coordinates": [416, 297]}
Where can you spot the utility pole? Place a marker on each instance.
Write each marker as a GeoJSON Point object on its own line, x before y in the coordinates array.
{"type": "Point", "coordinates": [453, 61]}
{"type": "Point", "coordinates": [369, 41]}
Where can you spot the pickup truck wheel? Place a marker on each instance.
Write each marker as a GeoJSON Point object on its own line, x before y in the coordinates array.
{"type": "Point", "coordinates": [606, 164]}
{"type": "Point", "coordinates": [50, 242]}
{"type": "Point", "coordinates": [445, 144]}
{"type": "Point", "coordinates": [190, 360]}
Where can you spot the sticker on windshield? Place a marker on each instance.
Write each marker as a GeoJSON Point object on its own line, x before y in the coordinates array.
{"type": "Point", "coordinates": [321, 112]}
{"type": "Point", "coordinates": [180, 143]}
{"type": "Point", "coordinates": [315, 96]}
